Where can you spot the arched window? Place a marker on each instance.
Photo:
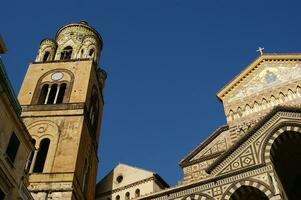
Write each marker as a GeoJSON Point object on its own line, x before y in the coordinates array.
{"type": "Point", "coordinates": [46, 56]}
{"type": "Point", "coordinates": [52, 94]}
{"type": "Point", "coordinates": [42, 155]}
{"type": "Point", "coordinates": [43, 94]}
{"type": "Point", "coordinates": [91, 52]}
{"type": "Point", "coordinates": [61, 93]}
{"type": "Point", "coordinates": [66, 53]}
{"type": "Point", "coordinates": [94, 110]}
{"type": "Point", "coordinates": [288, 167]}
{"type": "Point", "coordinates": [127, 196]}
{"type": "Point", "coordinates": [117, 197]}
{"type": "Point", "coordinates": [137, 193]}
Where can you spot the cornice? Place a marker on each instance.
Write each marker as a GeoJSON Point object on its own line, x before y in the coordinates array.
{"type": "Point", "coordinates": [126, 186]}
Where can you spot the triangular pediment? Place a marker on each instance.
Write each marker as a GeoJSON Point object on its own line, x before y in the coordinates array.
{"type": "Point", "coordinates": [265, 72]}
{"type": "Point", "coordinates": [121, 176]}
{"type": "Point", "coordinates": [214, 145]}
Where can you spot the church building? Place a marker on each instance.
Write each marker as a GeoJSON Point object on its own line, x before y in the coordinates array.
{"type": "Point", "coordinates": [256, 155]}
{"type": "Point", "coordinates": [61, 99]}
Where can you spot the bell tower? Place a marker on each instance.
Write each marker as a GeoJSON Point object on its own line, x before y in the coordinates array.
{"type": "Point", "coordinates": [62, 102]}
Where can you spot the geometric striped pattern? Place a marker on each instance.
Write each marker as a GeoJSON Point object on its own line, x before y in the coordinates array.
{"type": "Point", "coordinates": [267, 149]}
{"type": "Point", "coordinates": [250, 183]}
{"type": "Point", "coordinates": [198, 197]}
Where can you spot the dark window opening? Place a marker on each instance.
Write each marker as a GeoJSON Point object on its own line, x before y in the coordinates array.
{"type": "Point", "coordinates": [2, 195]}
{"type": "Point", "coordinates": [248, 193]}
{"type": "Point", "coordinates": [52, 94]}
{"type": "Point", "coordinates": [43, 94]}
{"type": "Point", "coordinates": [42, 155]}
{"type": "Point", "coordinates": [137, 193]}
{"type": "Point", "coordinates": [93, 112]}
{"type": "Point", "coordinates": [66, 53]}
{"type": "Point", "coordinates": [127, 196]}
{"type": "Point", "coordinates": [288, 167]}
{"type": "Point", "coordinates": [60, 97]}
{"type": "Point", "coordinates": [86, 177]}
{"type": "Point", "coordinates": [91, 52]}
{"type": "Point", "coordinates": [46, 55]}
{"type": "Point", "coordinates": [12, 147]}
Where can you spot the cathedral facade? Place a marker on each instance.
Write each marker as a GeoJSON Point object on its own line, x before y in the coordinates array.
{"type": "Point", "coordinates": [257, 154]}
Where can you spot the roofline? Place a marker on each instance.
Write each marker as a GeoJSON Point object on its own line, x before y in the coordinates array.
{"type": "Point", "coordinates": [255, 128]}
{"type": "Point", "coordinates": [201, 146]}
{"type": "Point", "coordinates": [244, 73]}
{"type": "Point", "coordinates": [161, 181]}
{"type": "Point", "coordinates": [120, 163]}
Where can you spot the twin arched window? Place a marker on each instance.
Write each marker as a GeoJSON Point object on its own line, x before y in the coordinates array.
{"type": "Point", "coordinates": [52, 93]}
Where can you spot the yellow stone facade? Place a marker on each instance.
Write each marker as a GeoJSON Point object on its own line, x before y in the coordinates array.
{"type": "Point", "coordinates": [128, 182]}
{"type": "Point", "coordinates": [61, 99]}
{"type": "Point", "coordinates": [15, 144]}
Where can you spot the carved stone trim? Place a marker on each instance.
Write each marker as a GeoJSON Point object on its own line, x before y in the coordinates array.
{"type": "Point", "coordinates": [201, 186]}
{"type": "Point", "coordinates": [185, 161]}
{"type": "Point", "coordinates": [248, 182]}
{"type": "Point", "coordinates": [261, 127]}
{"type": "Point", "coordinates": [272, 137]}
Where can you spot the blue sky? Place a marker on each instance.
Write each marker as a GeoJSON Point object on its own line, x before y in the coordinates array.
{"type": "Point", "coordinates": [165, 61]}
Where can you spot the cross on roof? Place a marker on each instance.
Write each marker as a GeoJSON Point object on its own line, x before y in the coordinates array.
{"type": "Point", "coordinates": [260, 50]}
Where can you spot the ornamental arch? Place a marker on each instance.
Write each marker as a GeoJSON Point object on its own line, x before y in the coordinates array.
{"type": "Point", "coordinates": [54, 87]}
{"type": "Point", "coordinates": [200, 196]}
{"type": "Point", "coordinates": [283, 151]}
{"type": "Point", "coordinates": [247, 187]}
{"type": "Point", "coordinates": [41, 131]}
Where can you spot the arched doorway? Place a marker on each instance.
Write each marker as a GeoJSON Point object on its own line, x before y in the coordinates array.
{"type": "Point", "coordinates": [248, 193]}
{"type": "Point", "coordinates": [286, 158]}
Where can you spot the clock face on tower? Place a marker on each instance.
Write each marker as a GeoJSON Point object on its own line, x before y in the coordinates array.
{"type": "Point", "coordinates": [57, 76]}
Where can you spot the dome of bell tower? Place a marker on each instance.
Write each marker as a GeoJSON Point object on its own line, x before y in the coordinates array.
{"type": "Point", "coordinates": [78, 41]}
